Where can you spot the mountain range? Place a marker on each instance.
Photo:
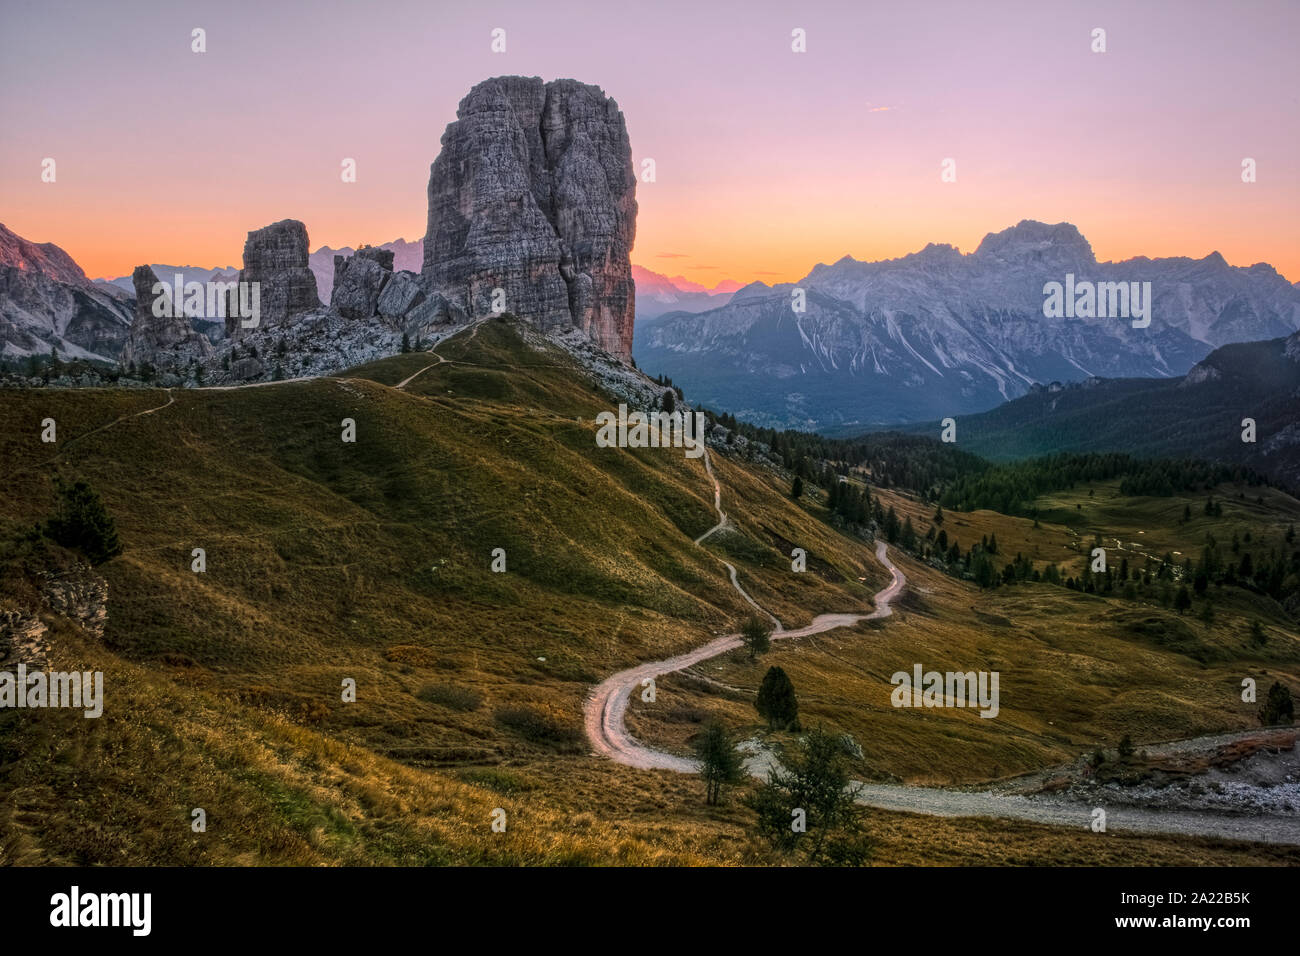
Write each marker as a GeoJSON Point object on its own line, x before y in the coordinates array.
{"type": "Point", "coordinates": [657, 294]}
{"type": "Point", "coordinates": [938, 333]}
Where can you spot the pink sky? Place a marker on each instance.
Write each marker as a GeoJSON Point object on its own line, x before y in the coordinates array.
{"type": "Point", "coordinates": [767, 161]}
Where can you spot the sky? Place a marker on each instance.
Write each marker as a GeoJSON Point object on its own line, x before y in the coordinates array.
{"type": "Point", "coordinates": [767, 161]}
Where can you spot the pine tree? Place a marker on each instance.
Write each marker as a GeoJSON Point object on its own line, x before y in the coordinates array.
{"type": "Point", "coordinates": [1278, 707]}
{"type": "Point", "coordinates": [756, 636]}
{"type": "Point", "coordinates": [891, 525]}
{"type": "Point", "coordinates": [796, 490]}
{"type": "Point", "coordinates": [814, 779]}
{"type": "Point", "coordinates": [720, 762]}
{"type": "Point", "coordinates": [406, 343]}
{"type": "Point", "coordinates": [81, 522]}
{"type": "Point", "coordinates": [776, 702]}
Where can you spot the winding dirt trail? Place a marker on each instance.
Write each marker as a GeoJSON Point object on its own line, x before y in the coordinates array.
{"type": "Point", "coordinates": [410, 378]}
{"type": "Point", "coordinates": [606, 708]}
{"type": "Point", "coordinates": [605, 712]}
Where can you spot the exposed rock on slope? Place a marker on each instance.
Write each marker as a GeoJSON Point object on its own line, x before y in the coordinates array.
{"type": "Point", "coordinates": [166, 340]}
{"type": "Point", "coordinates": [276, 258]}
{"type": "Point", "coordinates": [534, 194]}
{"type": "Point", "coordinates": [358, 281]}
{"type": "Point", "coordinates": [46, 300]}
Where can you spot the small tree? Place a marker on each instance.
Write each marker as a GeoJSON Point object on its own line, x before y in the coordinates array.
{"type": "Point", "coordinates": [669, 401]}
{"type": "Point", "coordinates": [796, 490]}
{"type": "Point", "coordinates": [815, 790]}
{"type": "Point", "coordinates": [720, 763]}
{"type": "Point", "coordinates": [1125, 747]}
{"type": "Point", "coordinates": [776, 702]}
{"type": "Point", "coordinates": [406, 343]}
{"type": "Point", "coordinates": [81, 522]}
{"type": "Point", "coordinates": [1182, 600]}
{"type": "Point", "coordinates": [1278, 707]}
{"type": "Point", "coordinates": [1257, 636]}
{"type": "Point", "coordinates": [756, 636]}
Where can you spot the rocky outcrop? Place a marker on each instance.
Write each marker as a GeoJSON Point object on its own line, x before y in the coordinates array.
{"type": "Point", "coordinates": [160, 333]}
{"type": "Point", "coordinates": [533, 194]}
{"type": "Point", "coordinates": [358, 281]}
{"type": "Point", "coordinates": [406, 255]}
{"type": "Point", "coordinates": [401, 294]}
{"type": "Point", "coordinates": [47, 301]}
{"type": "Point", "coordinates": [23, 640]}
{"type": "Point", "coordinates": [275, 257]}
{"type": "Point", "coordinates": [79, 594]}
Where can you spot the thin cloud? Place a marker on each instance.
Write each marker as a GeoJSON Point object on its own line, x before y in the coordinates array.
{"type": "Point", "coordinates": [672, 255]}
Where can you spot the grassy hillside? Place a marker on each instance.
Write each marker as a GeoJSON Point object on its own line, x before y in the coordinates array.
{"type": "Point", "coordinates": [1197, 416]}
{"type": "Point", "coordinates": [1077, 671]}
{"type": "Point", "coordinates": [371, 561]}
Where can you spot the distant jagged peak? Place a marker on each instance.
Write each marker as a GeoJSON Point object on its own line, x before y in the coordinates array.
{"type": "Point", "coordinates": [755, 289]}
{"type": "Point", "coordinates": [1033, 240]}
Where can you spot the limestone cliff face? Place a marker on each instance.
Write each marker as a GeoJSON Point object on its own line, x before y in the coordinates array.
{"type": "Point", "coordinates": [167, 340]}
{"type": "Point", "coordinates": [534, 194]}
{"type": "Point", "coordinates": [275, 257]}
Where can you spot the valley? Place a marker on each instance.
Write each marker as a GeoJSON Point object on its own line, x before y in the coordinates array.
{"type": "Point", "coordinates": [372, 562]}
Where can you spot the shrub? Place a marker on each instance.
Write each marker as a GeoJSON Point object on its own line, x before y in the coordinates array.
{"type": "Point", "coordinates": [451, 695]}
{"type": "Point", "coordinates": [502, 781]}
{"type": "Point", "coordinates": [538, 727]}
